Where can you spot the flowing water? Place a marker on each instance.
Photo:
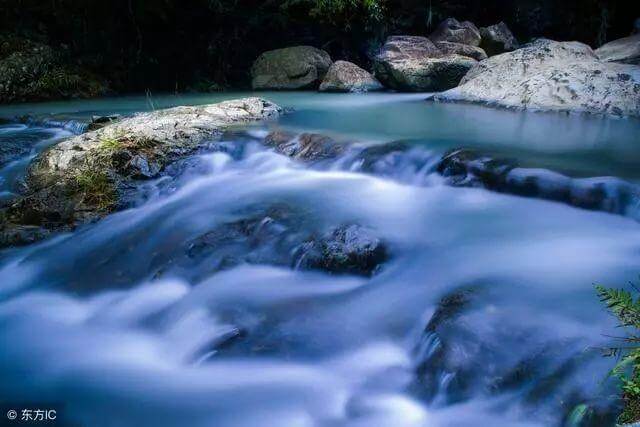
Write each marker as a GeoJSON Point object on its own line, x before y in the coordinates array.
{"type": "Point", "coordinates": [116, 324]}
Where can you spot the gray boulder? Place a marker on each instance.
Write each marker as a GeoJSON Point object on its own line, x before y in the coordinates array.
{"type": "Point", "coordinates": [297, 67]}
{"type": "Point", "coordinates": [497, 39]}
{"type": "Point", "coordinates": [346, 76]}
{"type": "Point", "coordinates": [552, 76]}
{"type": "Point", "coordinates": [451, 30]}
{"type": "Point", "coordinates": [81, 179]}
{"type": "Point", "coordinates": [462, 49]}
{"type": "Point", "coordinates": [415, 64]}
{"type": "Point", "coordinates": [625, 50]}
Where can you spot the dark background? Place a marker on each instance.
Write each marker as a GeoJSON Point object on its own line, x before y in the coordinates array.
{"type": "Point", "coordinates": [202, 44]}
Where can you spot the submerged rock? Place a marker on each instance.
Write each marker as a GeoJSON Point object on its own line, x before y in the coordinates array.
{"type": "Point", "coordinates": [297, 67]}
{"type": "Point", "coordinates": [345, 76]}
{"type": "Point", "coordinates": [452, 30]}
{"type": "Point", "coordinates": [80, 179]}
{"type": "Point", "coordinates": [32, 71]}
{"type": "Point", "coordinates": [474, 345]}
{"type": "Point", "coordinates": [285, 236]}
{"type": "Point", "coordinates": [350, 249]}
{"type": "Point", "coordinates": [415, 64]}
{"type": "Point", "coordinates": [21, 235]}
{"type": "Point", "coordinates": [607, 194]}
{"type": "Point", "coordinates": [625, 50]}
{"type": "Point", "coordinates": [304, 146]}
{"type": "Point", "coordinates": [553, 76]}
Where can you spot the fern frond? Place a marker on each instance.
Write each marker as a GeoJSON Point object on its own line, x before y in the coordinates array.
{"type": "Point", "coordinates": [621, 304]}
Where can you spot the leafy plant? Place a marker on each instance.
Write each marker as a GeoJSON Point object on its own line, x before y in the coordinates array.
{"type": "Point", "coordinates": [622, 304]}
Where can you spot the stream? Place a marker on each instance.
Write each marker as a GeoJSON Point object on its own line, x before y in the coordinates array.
{"type": "Point", "coordinates": [484, 313]}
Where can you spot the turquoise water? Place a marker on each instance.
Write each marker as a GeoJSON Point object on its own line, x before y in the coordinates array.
{"type": "Point", "coordinates": [112, 321]}
{"type": "Point", "coordinates": [579, 145]}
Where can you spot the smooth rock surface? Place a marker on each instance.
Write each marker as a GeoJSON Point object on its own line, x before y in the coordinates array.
{"type": "Point", "coordinates": [462, 49]}
{"type": "Point", "coordinates": [297, 67]}
{"type": "Point", "coordinates": [552, 76]}
{"type": "Point", "coordinates": [346, 76]}
{"type": "Point", "coordinates": [415, 64]}
{"type": "Point", "coordinates": [625, 50]}
{"type": "Point", "coordinates": [452, 30]}
{"type": "Point", "coordinates": [497, 39]}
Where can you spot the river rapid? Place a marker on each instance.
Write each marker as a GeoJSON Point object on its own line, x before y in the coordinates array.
{"type": "Point", "coordinates": [114, 323]}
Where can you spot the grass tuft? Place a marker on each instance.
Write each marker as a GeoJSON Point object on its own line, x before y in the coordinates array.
{"type": "Point", "coordinates": [626, 309]}
{"type": "Point", "coordinates": [95, 188]}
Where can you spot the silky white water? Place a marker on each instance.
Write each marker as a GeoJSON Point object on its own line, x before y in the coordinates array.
{"type": "Point", "coordinates": [112, 323]}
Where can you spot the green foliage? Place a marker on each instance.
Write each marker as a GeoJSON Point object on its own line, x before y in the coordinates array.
{"type": "Point", "coordinates": [109, 145]}
{"type": "Point", "coordinates": [345, 13]}
{"type": "Point", "coordinates": [621, 304]}
{"type": "Point", "coordinates": [95, 188]}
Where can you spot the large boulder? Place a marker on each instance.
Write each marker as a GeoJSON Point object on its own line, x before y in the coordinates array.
{"type": "Point", "coordinates": [83, 178]}
{"type": "Point", "coordinates": [346, 76]}
{"type": "Point", "coordinates": [32, 71]}
{"type": "Point", "coordinates": [553, 76]}
{"type": "Point", "coordinates": [497, 39]}
{"type": "Point", "coordinates": [462, 49]}
{"type": "Point", "coordinates": [625, 50]}
{"type": "Point", "coordinates": [451, 30]}
{"type": "Point", "coordinates": [415, 64]}
{"type": "Point", "coordinates": [297, 67]}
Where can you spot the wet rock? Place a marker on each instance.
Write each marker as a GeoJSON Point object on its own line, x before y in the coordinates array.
{"type": "Point", "coordinates": [345, 76]}
{"type": "Point", "coordinates": [98, 122]}
{"type": "Point", "coordinates": [469, 169]}
{"type": "Point", "coordinates": [297, 67]}
{"type": "Point", "coordinates": [476, 345]}
{"type": "Point", "coordinates": [20, 235]}
{"type": "Point", "coordinates": [31, 71]}
{"type": "Point", "coordinates": [497, 39]}
{"type": "Point", "coordinates": [625, 50]}
{"type": "Point", "coordinates": [474, 52]}
{"type": "Point", "coordinates": [286, 237]}
{"type": "Point", "coordinates": [304, 146]}
{"type": "Point", "coordinates": [466, 168]}
{"type": "Point", "coordinates": [451, 30]}
{"type": "Point", "coordinates": [552, 76]}
{"type": "Point", "coordinates": [81, 179]}
{"type": "Point", "coordinates": [379, 158]}
{"type": "Point", "coordinates": [415, 64]}
{"type": "Point", "coordinates": [350, 249]}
